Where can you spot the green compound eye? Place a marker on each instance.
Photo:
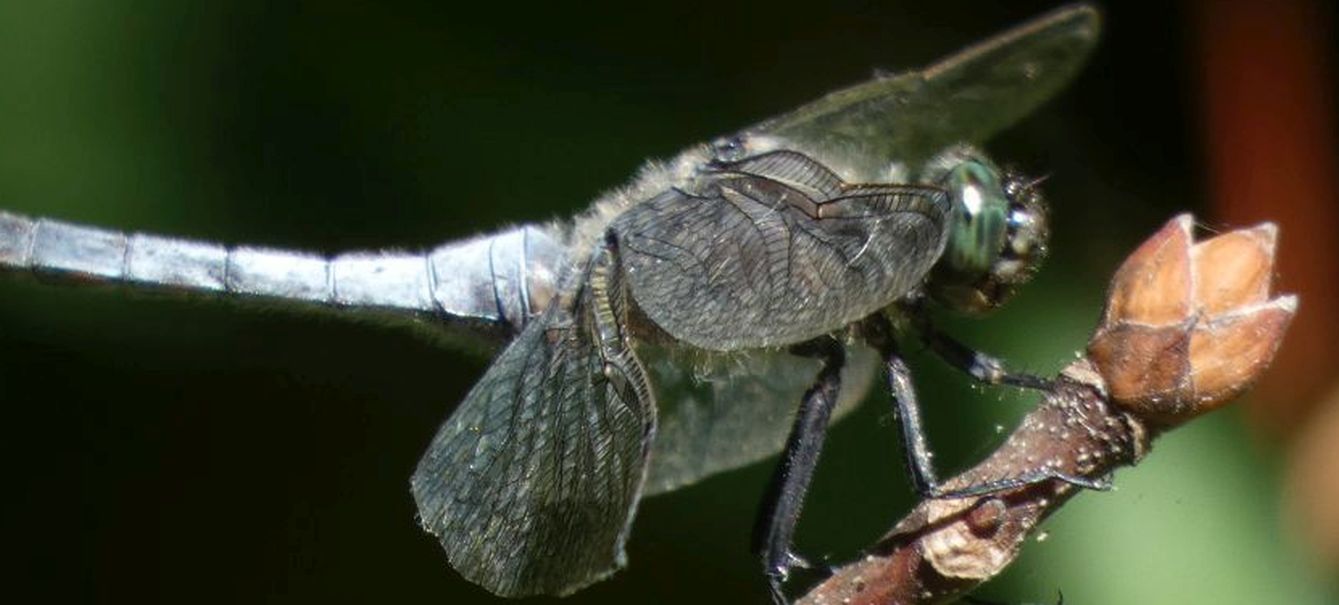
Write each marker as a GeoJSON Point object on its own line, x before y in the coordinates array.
{"type": "Point", "coordinates": [997, 232]}
{"type": "Point", "coordinates": [980, 219]}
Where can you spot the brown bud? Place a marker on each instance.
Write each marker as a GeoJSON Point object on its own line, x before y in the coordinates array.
{"type": "Point", "coordinates": [1152, 286]}
{"type": "Point", "coordinates": [1190, 325]}
{"type": "Point", "coordinates": [1228, 352]}
{"type": "Point", "coordinates": [1235, 269]}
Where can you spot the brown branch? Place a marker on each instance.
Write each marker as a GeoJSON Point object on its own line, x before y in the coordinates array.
{"type": "Point", "coordinates": [1187, 327]}
{"type": "Point", "coordinates": [946, 547]}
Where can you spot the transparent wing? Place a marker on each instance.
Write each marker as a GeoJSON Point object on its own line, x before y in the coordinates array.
{"type": "Point", "coordinates": [532, 483]}
{"type": "Point", "coordinates": [721, 411]}
{"type": "Point", "coordinates": [752, 260]}
{"type": "Point", "coordinates": [966, 97]}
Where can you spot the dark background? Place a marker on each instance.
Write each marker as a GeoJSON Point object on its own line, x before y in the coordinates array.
{"type": "Point", "coordinates": [165, 451]}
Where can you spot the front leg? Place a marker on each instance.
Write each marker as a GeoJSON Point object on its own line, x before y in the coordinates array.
{"type": "Point", "coordinates": [780, 511]}
{"type": "Point", "coordinates": [984, 368]}
{"type": "Point", "coordinates": [878, 332]}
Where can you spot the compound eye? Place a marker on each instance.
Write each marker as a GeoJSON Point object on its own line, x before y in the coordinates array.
{"type": "Point", "coordinates": [1028, 230]}
{"type": "Point", "coordinates": [980, 219]}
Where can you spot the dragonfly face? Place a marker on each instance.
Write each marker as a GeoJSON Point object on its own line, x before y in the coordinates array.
{"type": "Point", "coordinates": [998, 234]}
{"type": "Point", "coordinates": [786, 238]}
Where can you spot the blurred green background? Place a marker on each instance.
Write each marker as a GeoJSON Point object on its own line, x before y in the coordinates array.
{"type": "Point", "coordinates": [169, 451]}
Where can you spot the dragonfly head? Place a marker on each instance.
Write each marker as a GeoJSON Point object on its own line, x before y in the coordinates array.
{"type": "Point", "coordinates": [997, 236]}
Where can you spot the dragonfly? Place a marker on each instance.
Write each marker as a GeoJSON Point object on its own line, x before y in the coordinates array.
{"type": "Point", "coordinates": [669, 332]}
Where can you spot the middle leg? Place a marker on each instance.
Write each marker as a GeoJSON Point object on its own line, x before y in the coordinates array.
{"type": "Point", "coordinates": [878, 332]}
{"type": "Point", "coordinates": [780, 511]}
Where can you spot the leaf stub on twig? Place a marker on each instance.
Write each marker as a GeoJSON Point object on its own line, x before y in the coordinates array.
{"type": "Point", "coordinates": [1187, 327]}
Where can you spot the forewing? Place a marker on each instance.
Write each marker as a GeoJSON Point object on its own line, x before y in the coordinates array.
{"type": "Point", "coordinates": [751, 262]}
{"type": "Point", "coordinates": [532, 483]}
{"type": "Point", "coordinates": [966, 97]}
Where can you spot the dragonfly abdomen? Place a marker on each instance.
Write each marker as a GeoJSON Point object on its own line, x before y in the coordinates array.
{"type": "Point", "coordinates": [502, 278]}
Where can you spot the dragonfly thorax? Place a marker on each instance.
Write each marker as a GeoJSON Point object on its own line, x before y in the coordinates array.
{"type": "Point", "coordinates": [997, 234]}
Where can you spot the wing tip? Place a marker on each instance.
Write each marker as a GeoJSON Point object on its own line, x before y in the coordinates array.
{"type": "Point", "coordinates": [1081, 21]}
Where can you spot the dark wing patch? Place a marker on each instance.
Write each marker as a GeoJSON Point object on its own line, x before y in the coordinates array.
{"type": "Point", "coordinates": [532, 483]}
{"type": "Point", "coordinates": [749, 260]}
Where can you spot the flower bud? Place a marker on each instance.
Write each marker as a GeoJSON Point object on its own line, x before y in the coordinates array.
{"type": "Point", "coordinates": [1188, 326]}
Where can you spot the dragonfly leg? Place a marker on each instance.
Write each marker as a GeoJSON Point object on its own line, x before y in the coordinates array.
{"type": "Point", "coordinates": [780, 510]}
{"type": "Point", "coordinates": [919, 460]}
{"type": "Point", "coordinates": [1023, 480]}
{"type": "Point", "coordinates": [980, 366]}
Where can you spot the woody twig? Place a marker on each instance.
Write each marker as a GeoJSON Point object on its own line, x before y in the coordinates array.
{"type": "Point", "coordinates": [1187, 327]}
